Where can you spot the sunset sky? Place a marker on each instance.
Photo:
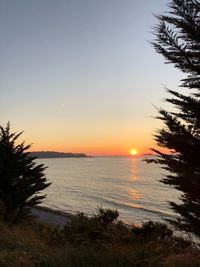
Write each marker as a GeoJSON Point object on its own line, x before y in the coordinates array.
{"type": "Point", "coordinates": [80, 75]}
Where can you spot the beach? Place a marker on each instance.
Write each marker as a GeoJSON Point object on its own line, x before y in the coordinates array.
{"type": "Point", "coordinates": [55, 217]}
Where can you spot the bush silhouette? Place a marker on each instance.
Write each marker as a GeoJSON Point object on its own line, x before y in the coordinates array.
{"type": "Point", "coordinates": [98, 229]}
{"type": "Point", "coordinates": [107, 216]}
{"type": "Point", "coordinates": [152, 230]}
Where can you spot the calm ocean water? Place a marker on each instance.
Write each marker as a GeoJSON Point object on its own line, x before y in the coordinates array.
{"type": "Point", "coordinates": [127, 184]}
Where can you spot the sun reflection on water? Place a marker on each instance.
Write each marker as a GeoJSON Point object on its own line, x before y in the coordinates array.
{"type": "Point", "coordinates": [135, 195]}
{"type": "Point", "coordinates": [134, 176]}
{"type": "Point", "coordinates": [133, 192]}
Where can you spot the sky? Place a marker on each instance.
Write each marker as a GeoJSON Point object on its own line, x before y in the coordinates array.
{"type": "Point", "coordinates": [81, 75]}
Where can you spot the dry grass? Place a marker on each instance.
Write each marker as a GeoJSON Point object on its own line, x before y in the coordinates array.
{"type": "Point", "coordinates": [89, 242]}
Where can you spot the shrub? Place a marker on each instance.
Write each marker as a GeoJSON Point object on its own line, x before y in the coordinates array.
{"type": "Point", "coordinates": [107, 216]}
{"type": "Point", "coordinates": [100, 228]}
{"type": "Point", "coordinates": [152, 231]}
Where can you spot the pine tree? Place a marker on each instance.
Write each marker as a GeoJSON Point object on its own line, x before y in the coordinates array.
{"type": "Point", "coordinates": [177, 38]}
{"type": "Point", "coordinates": [21, 179]}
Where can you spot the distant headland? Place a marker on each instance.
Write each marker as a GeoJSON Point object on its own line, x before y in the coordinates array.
{"type": "Point", "coordinates": [54, 154]}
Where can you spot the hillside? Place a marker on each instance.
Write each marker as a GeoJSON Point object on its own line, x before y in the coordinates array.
{"type": "Point", "coordinates": [54, 154]}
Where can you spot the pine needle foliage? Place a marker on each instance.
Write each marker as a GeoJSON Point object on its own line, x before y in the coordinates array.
{"type": "Point", "coordinates": [20, 178]}
{"type": "Point", "coordinates": [177, 38]}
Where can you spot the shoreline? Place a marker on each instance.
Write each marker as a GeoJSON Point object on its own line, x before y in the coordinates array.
{"type": "Point", "coordinates": [51, 216]}
{"type": "Point", "coordinates": [57, 217]}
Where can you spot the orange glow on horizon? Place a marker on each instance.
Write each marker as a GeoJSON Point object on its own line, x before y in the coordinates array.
{"type": "Point", "coordinates": [93, 147]}
{"type": "Point", "coordinates": [107, 142]}
{"type": "Point", "coordinates": [93, 150]}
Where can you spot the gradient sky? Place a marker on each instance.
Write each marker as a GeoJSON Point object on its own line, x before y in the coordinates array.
{"type": "Point", "coordinates": [80, 75]}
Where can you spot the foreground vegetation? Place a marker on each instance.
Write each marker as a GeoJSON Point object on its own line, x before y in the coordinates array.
{"type": "Point", "coordinates": [96, 241]}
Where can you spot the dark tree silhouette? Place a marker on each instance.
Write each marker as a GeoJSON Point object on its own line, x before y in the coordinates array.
{"type": "Point", "coordinates": [177, 38]}
{"type": "Point", "coordinates": [20, 178]}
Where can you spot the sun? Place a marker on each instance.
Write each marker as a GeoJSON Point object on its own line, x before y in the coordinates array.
{"type": "Point", "coordinates": [134, 151]}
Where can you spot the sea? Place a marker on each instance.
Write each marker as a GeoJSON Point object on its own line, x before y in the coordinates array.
{"type": "Point", "coordinates": [127, 184]}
